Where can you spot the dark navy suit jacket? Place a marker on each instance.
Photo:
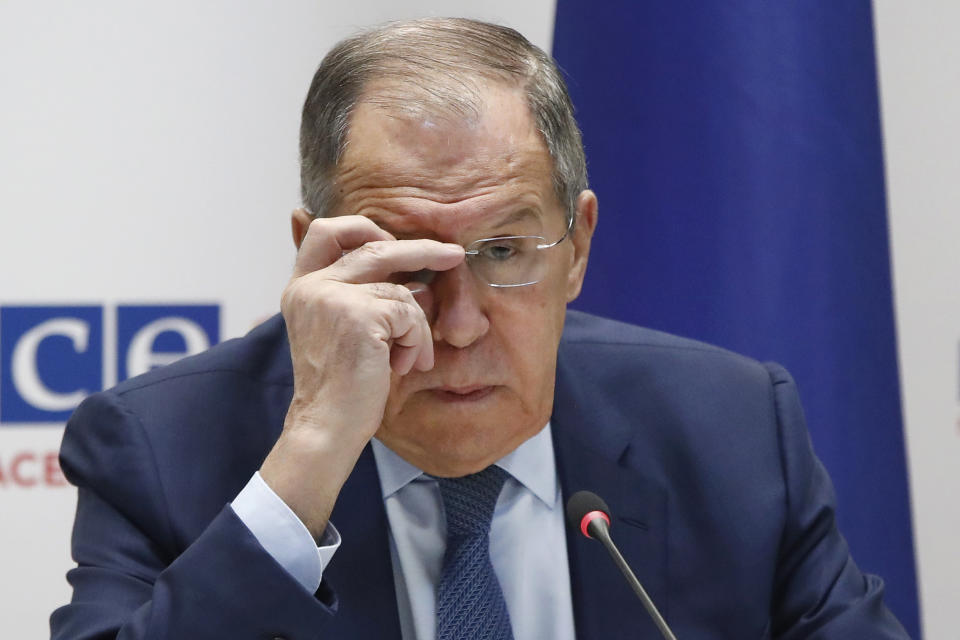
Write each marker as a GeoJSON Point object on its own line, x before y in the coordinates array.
{"type": "Point", "coordinates": [719, 503]}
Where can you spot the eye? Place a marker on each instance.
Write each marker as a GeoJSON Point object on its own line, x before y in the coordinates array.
{"type": "Point", "coordinates": [499, 250]}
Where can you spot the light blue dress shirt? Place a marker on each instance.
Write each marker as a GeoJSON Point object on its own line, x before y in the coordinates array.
{"type": "Point", "coordinates": [527, 540]}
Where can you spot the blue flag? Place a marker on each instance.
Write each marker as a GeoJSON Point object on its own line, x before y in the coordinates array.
{"type": "Point", "coordinates": [736, 152]}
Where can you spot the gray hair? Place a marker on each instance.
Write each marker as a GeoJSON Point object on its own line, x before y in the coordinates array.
{"type": "Point", "coordinates": [439, 61]}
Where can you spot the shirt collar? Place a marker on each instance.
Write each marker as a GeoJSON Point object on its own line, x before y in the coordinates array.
{"type": "Point", "coordinates": [531, 464]}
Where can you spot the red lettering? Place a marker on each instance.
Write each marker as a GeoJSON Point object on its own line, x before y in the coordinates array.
{"type": "Point", "coordinates": [32, 469]}
{"type": "Point", "coordinates": [18, 461]}
{"type": "Point", "coordinates": [52, 473]}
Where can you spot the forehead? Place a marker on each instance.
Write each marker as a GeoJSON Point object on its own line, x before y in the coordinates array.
{"type": "Point", "coordinates": [413, 168]}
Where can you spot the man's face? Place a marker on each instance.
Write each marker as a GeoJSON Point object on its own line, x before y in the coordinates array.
{"type": "Point", "coordinates": [495, 349]}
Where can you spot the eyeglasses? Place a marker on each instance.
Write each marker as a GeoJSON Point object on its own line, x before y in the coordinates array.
{"type": "Point", "coordinates": [505, 261]}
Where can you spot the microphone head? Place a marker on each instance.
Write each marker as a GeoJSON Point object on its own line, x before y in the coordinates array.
{"type": "Point", "coordinates": [580, 505]}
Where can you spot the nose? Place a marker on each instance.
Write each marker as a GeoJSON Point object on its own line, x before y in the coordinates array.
{"type": "Point", "coordinates": [459, 318]}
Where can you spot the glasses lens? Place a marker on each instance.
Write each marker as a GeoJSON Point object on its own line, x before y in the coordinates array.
{"type": "Point", "coordinates": [507, 261]}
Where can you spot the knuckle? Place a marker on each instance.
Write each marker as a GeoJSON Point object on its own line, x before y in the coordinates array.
{"type": "Point", "coordinates": [318, 226]}
{"type": "Point", "coordinates": [292, 295]}
{"type": "Point", "coordinates": [403, 309]}
{"type": "Point", "coordinates": [307, 291]}
{"type": "Point", "coordinates": [375, 250]}
{"type": "Point", "coordinates": [398, 312]}
{"type": "Point", "coordinates": [392, 291]}
{"type": "Point", "coordinates": [364, 221]}
{"type": "Point", "coordinates": [382, 290]}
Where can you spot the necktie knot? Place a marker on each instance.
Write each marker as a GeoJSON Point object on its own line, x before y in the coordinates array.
{"type": "Point", "coordinates": [469, 501]}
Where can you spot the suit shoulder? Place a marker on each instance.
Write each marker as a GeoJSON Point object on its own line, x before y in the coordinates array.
{"type": "Point", "coordinates": [586, 329]}
{"type": "Point", "coordinates": [602, 348]}
{"type": "Point", "coordinates": [262, 354]}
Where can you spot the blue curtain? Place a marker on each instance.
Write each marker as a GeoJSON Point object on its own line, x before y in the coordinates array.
{"type": "Point", "coordinates": [736, 152]}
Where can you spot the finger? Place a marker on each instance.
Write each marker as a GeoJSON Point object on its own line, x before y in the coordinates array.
{"type": "Point", "coordinates": [408, 333]}
{"type": "Point", "coordinates": [402, 359]}
{"type": "Point", "coordinates": [377, 261]}
{"type": "Point", "coordinates": [408, 324]}
{"type": "Point", "coordinates": [419, 296]}
{"type": "Point", "coordinates": [327, 238]}
{"type": "Point", "coordinates": [424, 299]}
{"type": "Point", "coordinates": [411, 294]}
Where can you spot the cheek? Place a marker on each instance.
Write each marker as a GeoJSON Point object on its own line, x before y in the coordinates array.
{"type": "Point", "coordinates": [528, 334]}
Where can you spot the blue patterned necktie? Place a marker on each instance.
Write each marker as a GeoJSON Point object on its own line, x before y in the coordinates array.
{"type": "Point", "coordinates": [470, 604]}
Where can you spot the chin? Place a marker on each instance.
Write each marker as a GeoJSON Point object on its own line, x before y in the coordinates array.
{"type": "Point", "coordinates": [450, 441]}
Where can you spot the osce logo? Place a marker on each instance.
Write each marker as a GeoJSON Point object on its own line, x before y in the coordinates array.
{"type": "Point", "coordinates": [51, 357]}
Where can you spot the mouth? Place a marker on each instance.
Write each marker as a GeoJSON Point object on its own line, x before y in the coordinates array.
{"type": "Point", "coordinates": [473, 393]}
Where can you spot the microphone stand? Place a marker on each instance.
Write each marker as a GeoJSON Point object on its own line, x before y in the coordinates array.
{"type": "Point", "coordinates": [600, 531]}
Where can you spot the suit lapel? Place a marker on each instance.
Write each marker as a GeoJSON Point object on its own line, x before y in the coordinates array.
{"type": "Point", "coordinates": [361, 574]}
{"type": "Point", "coordinates": [591, 447]}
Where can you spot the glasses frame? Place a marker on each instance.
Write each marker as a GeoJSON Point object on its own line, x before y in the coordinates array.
{"type": "Point", "coordinates": [544, 245]}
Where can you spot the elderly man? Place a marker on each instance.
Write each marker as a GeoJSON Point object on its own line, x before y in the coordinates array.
{"type": "Point", "coordinates": [390, 458]}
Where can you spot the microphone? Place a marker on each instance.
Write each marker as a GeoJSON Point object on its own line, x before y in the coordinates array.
{"type": "Point", "coordinates": [590, 515]}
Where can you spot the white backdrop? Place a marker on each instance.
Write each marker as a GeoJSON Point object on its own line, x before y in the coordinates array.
{"type": "Point", "coordinates": [919, 65]}
{"type": "Point", "coordinates": [148, 156]}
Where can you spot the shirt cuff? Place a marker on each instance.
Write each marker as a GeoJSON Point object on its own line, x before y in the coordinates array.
{"type": "Point", "coordinates": [283, 535]}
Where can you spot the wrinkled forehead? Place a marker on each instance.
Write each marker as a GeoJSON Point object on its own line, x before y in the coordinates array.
{"type": "Point", "coordinates": [489, 133]}
{"type": "Point", "coordinates": [412, 167]}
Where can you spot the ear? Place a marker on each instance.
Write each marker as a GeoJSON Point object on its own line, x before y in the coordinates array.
{"type": "Point", "coordinates": [580, 238]}
{"type": "Point", "coordinates": [300, 221]}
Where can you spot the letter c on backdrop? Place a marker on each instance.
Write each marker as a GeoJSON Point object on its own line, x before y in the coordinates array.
{"type": "Point", "coordinates": [26, 376]}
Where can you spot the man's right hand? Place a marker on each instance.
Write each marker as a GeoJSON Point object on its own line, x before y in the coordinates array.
{"type": "Point", "coordinates": [348, 328]}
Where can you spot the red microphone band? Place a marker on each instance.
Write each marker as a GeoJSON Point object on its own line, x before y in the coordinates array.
{"type": "Point", "coordinates": [587, 519]}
